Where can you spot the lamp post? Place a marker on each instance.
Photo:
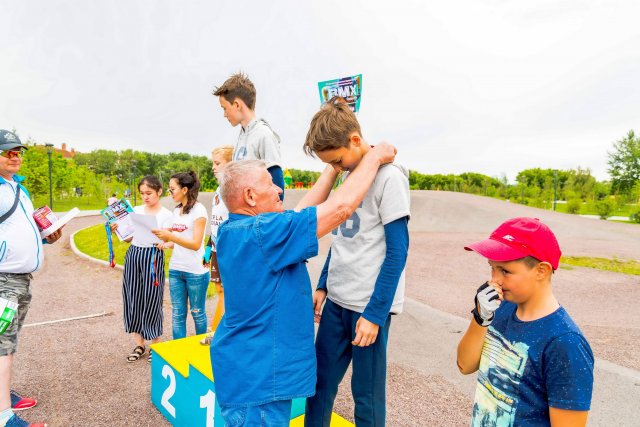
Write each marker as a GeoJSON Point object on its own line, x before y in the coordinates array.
{"type": "Point", "coordinates": [49, 152]}
{"type": "Point", "coordinates": [555, 187]}
{"type": "Point", "coordinates": [133, 171]}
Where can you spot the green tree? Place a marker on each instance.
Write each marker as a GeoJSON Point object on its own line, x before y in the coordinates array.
{"type": "Point", "coordinates": [605, 207]}
{"type": "Point", "coordinates": [624, 163]}
{"type": "Point", "coordinates": [580, 183]}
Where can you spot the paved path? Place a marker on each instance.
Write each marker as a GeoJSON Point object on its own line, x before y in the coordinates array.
{"type": "Point", "coordinates": [77, 368]}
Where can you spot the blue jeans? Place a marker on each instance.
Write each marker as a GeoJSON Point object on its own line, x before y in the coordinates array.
{"type": "Point", "coordinates": [185, 286]}
{"type": "Point", "coordinates": [273, 414]}
{"type": "Point", "coordinates": [334, 352]}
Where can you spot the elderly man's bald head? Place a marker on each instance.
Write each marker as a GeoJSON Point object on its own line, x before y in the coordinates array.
{"type": "Point", "coordinates": [246, 187]}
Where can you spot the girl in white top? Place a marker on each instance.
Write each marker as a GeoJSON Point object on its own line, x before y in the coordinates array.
{"type": "Point", "coordinates": [188, 278]}
{"type": "Point", "coordinates": [143, 277]}
{"type": "Point", "coordinates": [220, 156]}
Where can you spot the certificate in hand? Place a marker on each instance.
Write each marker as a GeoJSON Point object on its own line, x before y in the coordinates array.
{"type": "Point", "coordinates": [142, 226]}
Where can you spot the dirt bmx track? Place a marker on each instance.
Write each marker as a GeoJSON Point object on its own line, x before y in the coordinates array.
{"type": "Point", "coordinates": [77, 369]}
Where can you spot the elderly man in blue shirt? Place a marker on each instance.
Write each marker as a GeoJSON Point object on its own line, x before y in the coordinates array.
{"type": "Point", "coordinates": [262, 353]}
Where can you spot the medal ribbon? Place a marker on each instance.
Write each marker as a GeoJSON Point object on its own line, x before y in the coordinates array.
{"type": "Point", "coordinates": [112, 257]}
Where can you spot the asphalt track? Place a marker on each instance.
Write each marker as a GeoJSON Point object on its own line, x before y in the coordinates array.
{"type": "Point", "coordinates": [77, 369]}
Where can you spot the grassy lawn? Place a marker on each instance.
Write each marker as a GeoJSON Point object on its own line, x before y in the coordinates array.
{"type": "Point", "coordinates": [93, 242]}
{"type": "Point", "coordinates": [64, 205]}
{"type": "Point", "coordinates": [616, 265]}
{"type": "Point", "coordinates": [589, 209]}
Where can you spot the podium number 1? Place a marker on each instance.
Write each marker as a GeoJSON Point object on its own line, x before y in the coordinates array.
{"type": "Point", "coordinates": [168, 372]}
{"type": "Point", "coordinates": [208, 401]}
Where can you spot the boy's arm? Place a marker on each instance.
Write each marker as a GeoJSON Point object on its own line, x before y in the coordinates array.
{"type": "Point", "coordinates": [277, 177]}
{"type": "Point", "coordinates": [375, 314]}
{"type": "Point", "coordinates": [320, 190]}
{"type": "Point", "coordinates": [567, 418]}
{"type": "Point", "coordinates": [321, 290]}
{"type": "Point", "coordinates": [396, 235]}
{"type": "Point", "coordinates": [487, 300]}
{"type": "Point", "coordinates": [470, 348]}
{"type": "Point", "coordinates": [322, 281]}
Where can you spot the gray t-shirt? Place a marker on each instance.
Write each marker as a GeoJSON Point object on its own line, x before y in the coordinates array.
{"type": "Point", "coordinates": [258, 142]}
{"type": "Point", "coordinates": [359, 249]}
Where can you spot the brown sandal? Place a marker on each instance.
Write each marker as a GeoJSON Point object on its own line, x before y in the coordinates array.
{"type": "Point", "coordinates": [136, 354]}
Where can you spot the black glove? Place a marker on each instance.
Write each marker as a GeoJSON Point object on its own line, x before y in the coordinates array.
{"type": "Point", "coordinates": [486, 303]}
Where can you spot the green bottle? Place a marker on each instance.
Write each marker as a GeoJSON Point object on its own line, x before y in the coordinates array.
{"type": "Point", "coordinates": [7, 312]}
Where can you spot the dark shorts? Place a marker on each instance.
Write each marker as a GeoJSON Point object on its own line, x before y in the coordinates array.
{"type": "Point", "coordinates": [16, 288]}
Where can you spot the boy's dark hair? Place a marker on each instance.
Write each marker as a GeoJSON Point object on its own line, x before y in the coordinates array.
{"type": "Point", "coordinates": [331, 126]}
{"type": "Point", "coordinates": [238, 86]}
{"type": "Point", "coordinates": [151, 182]}
{"type": "Point", "coordinates": [190, 181]}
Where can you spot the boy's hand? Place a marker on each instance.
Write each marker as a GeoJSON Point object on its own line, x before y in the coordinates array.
{"type": "Point", "coordinates": [366, 333]}
{"type": "Point", "coordinates": [385, 152]}
{"type": "Point", "coordinates": [113, 226]}
{"type": "Point", "coordinates": [318, 299]}
{"type": "Point", "coordinates": [487, 301]}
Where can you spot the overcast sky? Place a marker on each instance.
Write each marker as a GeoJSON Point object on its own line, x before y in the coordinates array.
{"type": "Point", "coordinates": [489, 86]}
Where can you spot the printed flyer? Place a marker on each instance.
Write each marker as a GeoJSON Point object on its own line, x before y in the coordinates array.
{"type": "Point", "coordinates": [347, 88]}
{"type": "Point", "coordinates": [118, 212]}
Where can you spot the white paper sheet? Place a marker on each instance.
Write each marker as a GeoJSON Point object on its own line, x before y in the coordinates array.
{"type": "Point", "coordinates": [59, 223]}
{"type": "Point", "coordinates": [142, 226]}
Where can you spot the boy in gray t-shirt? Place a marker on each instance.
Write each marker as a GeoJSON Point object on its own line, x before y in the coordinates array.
{"type": "Point", "coordinates": [363, 277]}
{"type": "Point", "coordinates": [257, 141]}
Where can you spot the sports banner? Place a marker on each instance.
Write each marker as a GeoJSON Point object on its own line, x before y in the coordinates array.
{"type": "Point", "coordinates": [347, 88]}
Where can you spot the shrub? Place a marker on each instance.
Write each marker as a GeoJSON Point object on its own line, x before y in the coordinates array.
{"type": "Point", "coordinates": [574, 206]}
{"type": "Point", "coordinates": [635, 216]}
{"type": "Point", "coordinates": [605, 207]}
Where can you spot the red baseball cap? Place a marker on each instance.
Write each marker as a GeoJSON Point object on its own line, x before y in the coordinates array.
{"type": "Point", "coordinates": [517, 238]}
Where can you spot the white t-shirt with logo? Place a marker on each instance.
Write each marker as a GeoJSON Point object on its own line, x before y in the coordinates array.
{"type": "Point", "coordinates": [219, 214]}
{"type": "Point", "coordinates": [184, 259]}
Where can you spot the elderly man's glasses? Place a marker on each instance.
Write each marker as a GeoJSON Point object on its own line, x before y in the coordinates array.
{"type": "Point", "coordinates": [12, 154]}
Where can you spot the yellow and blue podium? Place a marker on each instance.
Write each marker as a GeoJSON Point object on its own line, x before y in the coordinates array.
{"type": "Point", "coordinates": [183, 390]}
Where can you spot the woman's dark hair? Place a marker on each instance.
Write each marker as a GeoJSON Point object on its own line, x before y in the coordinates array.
{"type": "Point", "coordinates": [190, 181]}
{"type": "Point", "coordinates": [151, 182]}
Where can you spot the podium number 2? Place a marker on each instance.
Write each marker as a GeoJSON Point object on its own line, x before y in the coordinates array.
{"type": "Point", "coordinates": [168, 372]}
{"type": "Point", "coordinates": [208, 401]}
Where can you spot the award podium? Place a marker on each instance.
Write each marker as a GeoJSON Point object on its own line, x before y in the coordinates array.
{"type": "Point", "coordinates": [183, 387]}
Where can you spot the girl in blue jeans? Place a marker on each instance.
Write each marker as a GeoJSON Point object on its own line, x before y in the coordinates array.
{"type": "Point", "coordinates": [188, 278]}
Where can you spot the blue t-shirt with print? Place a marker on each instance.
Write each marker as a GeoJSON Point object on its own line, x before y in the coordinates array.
{"type": "Point", "coordinates": [526, 367]}
{"type": "Point", "coordinates": [263, 349]}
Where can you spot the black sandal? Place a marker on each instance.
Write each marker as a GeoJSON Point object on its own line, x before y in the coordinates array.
{"type": "Point", "coordinates": [136, 354]}
{"type": "Point", "coordinates": [149, 358]}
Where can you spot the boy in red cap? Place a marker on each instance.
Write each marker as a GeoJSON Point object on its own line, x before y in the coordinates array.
{"type": "Point", "coordinates": [535, 365]}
